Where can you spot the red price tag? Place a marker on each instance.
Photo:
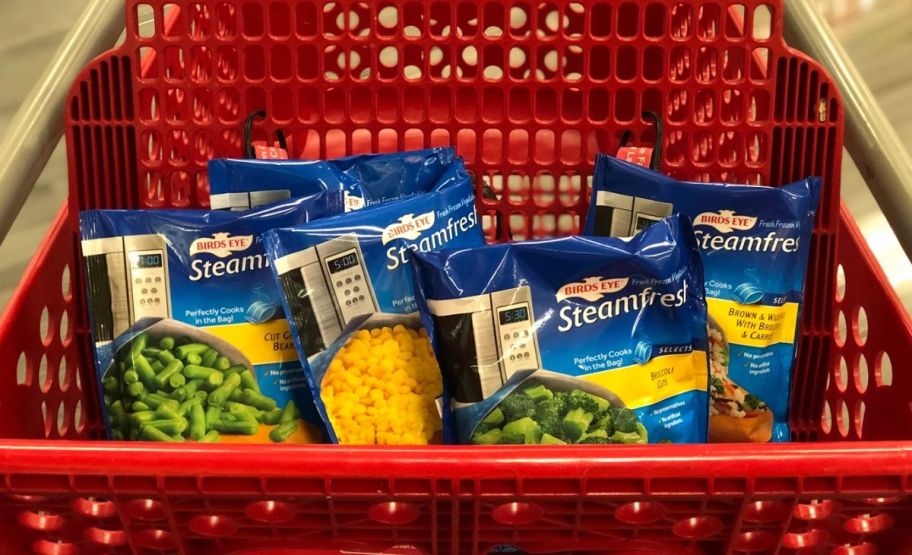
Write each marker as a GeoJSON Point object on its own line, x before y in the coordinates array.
{"type": "Point", "coordinates": [264, 152]}
{"type": "Point", "coordinates": [641, 156]}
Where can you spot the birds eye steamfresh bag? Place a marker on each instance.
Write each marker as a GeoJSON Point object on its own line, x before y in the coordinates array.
{"type": "Point", "coordinates": [190, 339]}
{"type": "Point", "coordinates": [573, 340]}
{"type": "Point", "coordinates": [347, 289]}
{"type": "Point", "coordinates": [755, 243]}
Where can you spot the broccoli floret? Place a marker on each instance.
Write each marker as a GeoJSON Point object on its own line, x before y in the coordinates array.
{"type": "Point", "coordinates": [490, 437]}
{"type": "Point", "coordinates": [718, 386]}
{"type": "Point", "coordinates": [575, 423]}
{"type": "Point", "coordinates": [525, 427]}
{"type": "Point", "coordinates": [483, 428]}
{"type": "Point", "coordinates": [752, 402]}
{"type": "Point", "coordinates": [632, 438]}
{"type": "Point", "coordinates": [495, 417]}
{"type": "Point", "coordinates": [548, 439]}
{"type": "Point", "coordinates": [539, 393]}
{"type": "Point", "coordinates": [511, 439]}
{"type": "Point", "coordinates": [578, 399]}
{"type": "Point", "coordinates": [603, 423]}
{"type": "Point", "coordinates": [548, 416]}
{"type": "Point", "coordinates": [624, 420]}
{"type": "Point", "coordinates": [637, 437]}
{"type": "Point", "coordinates": [595, 437]}
{"type": "Point", "coordinates": [594, 441]}
{"type": "Point", "coordinates": [516, 406]}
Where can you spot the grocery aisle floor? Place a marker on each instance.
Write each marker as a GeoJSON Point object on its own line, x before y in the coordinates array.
{"type": "Point", "coordinates": [877, 38]}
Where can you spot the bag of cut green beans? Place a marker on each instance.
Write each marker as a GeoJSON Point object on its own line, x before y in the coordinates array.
{"type": "Point", "coordinates": [190, 340]}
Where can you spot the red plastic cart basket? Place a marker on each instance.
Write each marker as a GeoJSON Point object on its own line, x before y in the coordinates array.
{"type": "Point", "coordinates": [529, 91]}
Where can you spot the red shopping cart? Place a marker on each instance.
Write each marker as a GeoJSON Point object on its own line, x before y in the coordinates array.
{"type": "Point", "coordinates": [528, 92]}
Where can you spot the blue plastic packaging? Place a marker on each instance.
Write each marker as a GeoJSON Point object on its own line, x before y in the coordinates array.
{"type": "Point", "coordinates": [572, 340]}
{"type": "Point", "coordinates": [755, 243]}
{"type": "Point", "coordinates": [345, 275]}
{"type": "Point", "coordinates": [200, 277]}
{"type": "Point", "coordinates": [365, 180]}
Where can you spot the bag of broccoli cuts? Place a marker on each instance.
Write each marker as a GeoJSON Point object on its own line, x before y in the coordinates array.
{"type": "Point", "coordinates": [573, 340]}
{"type": "Point", "coordinates": [190, 339]}
{"type": "Point", "coordinates": [755, 243]}
{"type": "Point", "coordinates": [347, 289]}
{"type": "Point", "coordinates": [365, 180]}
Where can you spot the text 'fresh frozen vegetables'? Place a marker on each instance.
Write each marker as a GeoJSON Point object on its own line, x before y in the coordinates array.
{"type": "Point", "coordinates": [573, 340]}
{"type": "Point", "coordinates": [365, 180]}
{"type": "Point", "coordinates": [348, 292]}
{"type": "Point", "coordinates": [755, 243]}
{"type": "Point", "coordinates": [190, 339]}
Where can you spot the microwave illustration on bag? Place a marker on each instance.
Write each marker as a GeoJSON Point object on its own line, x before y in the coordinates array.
{"type": "Point", "coordinates": [237, 202]}
{"type": "Point", "coordinates": [128, 281]}
{"type": "Point", "coordinates": [326, 286]}
{"type": "Point", "coordinates": [484, 340]}
{"type": "Point", "coordinates": [619, 215]}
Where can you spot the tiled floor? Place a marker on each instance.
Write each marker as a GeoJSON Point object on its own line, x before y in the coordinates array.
{"type": "Point", "coordinates": [878, 39]}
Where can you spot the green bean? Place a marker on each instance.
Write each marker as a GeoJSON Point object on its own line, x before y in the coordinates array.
{"type": "Point", "coordinates": [173, 367]}
{"type": "Point", "coordinates": [166, 412]}
{"type": "Point", "coordinates": [235, 395]}
{"type": "Point", "coordinates": [220, 395]}
{"type": "Point", "coordinates": [272, 417]}
{"type": "Point", "coordinates": [155, 400]}
{"type": "Point", "coordinates": [166, 357]}
{"type": "Point", "coordinates": [222, 363]}
{"type": "Point", "coordinates": [288, 415]}
{"type": "Point", "coordinates": [209, 358]}
{"type": "Point", "coordinates": [213, 415]}
{"type": "Point", "coordinates": [211, 436]}
{"type": "Point", "coordinates": [139, 343]}
{"type": "Point", "coordinates": [197, 421]}
{"type": "Point", "coordinates": [177, 380]}
{"type": "Point", "coordinates": [228, 417]}
{"type": "Point", "coordinates": [184, 407]}
{"type": "Point", "coordinates": [241, 427]}
{"type": "Point", "coordinates": [187, 390]}
{"type": "Point", "coordinates": [111, 386]}
{"type": "Point", "coordinates": [166, 343]}
{"type": "Point", "coordinates": [171, 426]}
{"type": "Point", "coordinates": [192, 348]}
{"type": "Point", "coordinates": [130, 376]}
{"type": "Point", "coordinates": [150, 352]}
{"type": "Point", "coordinates": [141, 417]}
{"type": "Point", "coordinates": [239, 408]}
{"type": "Point", "coordinates": [201, 395]}
{"type": "Point", "coordinates": [283, 431]}
{"type": "Point", "coordinates": [139, 406]}
{"type": "Point", "coordinates": [250, 397]}
{"type": "Point", "coordinates": [118, 413]}
{"type": "Point", "coordinates": [194, 358]}
{"type": "Point", "coordinates": [195, 372]}
{"type": "Point", "coordinates": [145, 371]}
{"type": "Point", "coordinates": [248, 381]}
{"type": "Point", "coordinates": [150, 433]}
{"type": "Point", "coordinates": [157, 365]}
{"type": "Point", "coordinates": [135, 389]}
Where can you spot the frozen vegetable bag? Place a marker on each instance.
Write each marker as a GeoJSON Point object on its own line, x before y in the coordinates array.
{"type": "Point", "coordinates": [348, 291]}
{"type": "Point", "coordinates": [189, 335]}
{"type": "Point", "coordinates": [755, 243]}
{"type": "Point", "coordinates": [573, 340]}
{"type": "Point", "coordinates": [366, 180]}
